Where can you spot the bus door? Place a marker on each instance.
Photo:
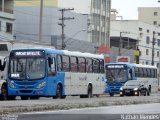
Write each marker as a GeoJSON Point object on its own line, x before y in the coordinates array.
{"type": "Point", "coordinates": [51, 83]}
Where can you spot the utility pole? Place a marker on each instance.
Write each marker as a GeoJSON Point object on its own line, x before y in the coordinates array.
{"type": "Point", "coordinates": [40, 21]}
{"type": "Point", "coordinates": [120, 44]}
{"type": "Point", "coordinates": [62, 19]}
{"type": "Point", "coordinates": [153, 44]}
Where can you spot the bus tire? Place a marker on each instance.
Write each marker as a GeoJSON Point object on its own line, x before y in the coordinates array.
{"type": "Point", "coordinates": [4, 94]}
{"type": "Point", "coordinates": [59, 92]}
{"type": "Point", "coordinates": [149, 88]}
{"type": "Point", "coordinates": [24, 97]}
{"type": "Point", "coordinates": [11, 97]}
{"type": "Point", "coordinates": [89, 95]}
{"type": "Point", "coordinates": [83, 96]}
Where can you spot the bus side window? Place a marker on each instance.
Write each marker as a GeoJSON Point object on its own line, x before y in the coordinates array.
{"type": "Point", "coordinates": [136, 72]}
{"type": "Point", "coordinates": [96, 66]}
{"type": "Point", "coordinates": [74, 64]}
{"type": "Point", "coordinates": [66, 63]}
{"type": "Point", "coordinates": [130, 74]}
{"type": "Point", "coordinates": [101, 66]}
{"type": "Point", "coordinates": [82, 64]}
{"type": "Point", "coordinates": [59, 63]}
{"type": "Point", "coordinates": [144, 72]}
{"type": "Point", "coordinates": [51, 65]}
{"type": "Point", "coordinates": [89, 67]}
{"type": "Point", "coordinates": [148, 72]}
{"type": "Point", "coordinates": [152, 73]}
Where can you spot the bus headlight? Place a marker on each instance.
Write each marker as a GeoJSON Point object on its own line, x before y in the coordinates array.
{"type": "Point", "coordinates": [41, 85]}
{"type": "Point", "coordinates": [135, 89]}
{"type": "Point", "coordinates": [11, 85]}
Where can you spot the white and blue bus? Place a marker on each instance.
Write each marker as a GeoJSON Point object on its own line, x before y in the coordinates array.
{"type": "Point", "coordinates": [54, 73]}
{"type": "Point", "coordinates": [119, 73]}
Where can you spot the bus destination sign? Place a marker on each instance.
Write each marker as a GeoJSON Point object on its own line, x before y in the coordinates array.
{"type": "Point", "coordinates": [28, 53]}
{"type": "Point", "coordinates": [115, 66]}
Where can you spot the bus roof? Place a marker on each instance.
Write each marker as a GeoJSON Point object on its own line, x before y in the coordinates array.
{"type": "Point", "coordinates": [132, 65]}
{"type": "Point", "coordinates": [65, 52]}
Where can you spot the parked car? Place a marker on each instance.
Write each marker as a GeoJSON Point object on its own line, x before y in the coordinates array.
{"type": "Point", "coordinates": [134, 87]}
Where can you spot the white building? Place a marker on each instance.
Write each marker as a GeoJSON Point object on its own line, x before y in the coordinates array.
{"type": "Point", "coordinates": [150, 15]}
{"type": "Point", "coordinates": [141, 32]}
{"type": "Point", "coordinates": [6, 20]}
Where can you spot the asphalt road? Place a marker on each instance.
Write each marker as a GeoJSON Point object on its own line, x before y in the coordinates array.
{"type": "Point", "coordinates": [143, 111]}
{"type": "Point", "coordinates": [45, 104]}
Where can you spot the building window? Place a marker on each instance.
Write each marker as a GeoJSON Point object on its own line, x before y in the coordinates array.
{"type": "Point", "coordinates": [146, 62]}
{"type": "Point", "coordinates": [154, 22]}
{"type": "Point", "coordinates": [157, 53]}
{"type": "Point", "coordinates": [155, 14]}
{"type": "Point", "coordinates": [158, 34]}
{"type": "Point", "coordinates": [140, 53]}
{"type": "Point", "coordinates": [9, 27]}
{"type": "Point", "coordinates": [147, 39]}
{"type": "Point", "coordinates": [147, 52]}
{"type": "Point", "coordinates": [157, 65]}
{"type": "Point", "coordinates": [147, 31]}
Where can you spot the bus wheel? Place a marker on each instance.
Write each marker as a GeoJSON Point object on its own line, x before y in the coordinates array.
{"type": "Point", "coordinates": [149, 88]}
{"type": "Point", "coordinates": [89, 92]}
{"type": "Point", "coordinates": [24, 98]}
{"type": "Point", "coordinates": [148, 93]}
{"type": "Point", "coordinates": [4, 93]}
{"type": "Point", "coordinates": [59, 92]}
{"type": "Point", "coordinates": [111, 94]}
{"type": "Point", "coordinates": [11, 97]}
{"type": "Point", "coordinates": [63, 97]}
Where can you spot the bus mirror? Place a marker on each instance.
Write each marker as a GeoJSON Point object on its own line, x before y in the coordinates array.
{"type": "Point", "coordinates": [2, 66]}
{"type": "Point", "coordinates": [50, 61]}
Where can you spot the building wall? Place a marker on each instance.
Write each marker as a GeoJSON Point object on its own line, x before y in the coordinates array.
{"type": "Point", "coordinates": [6, 16]}
{"type": "Point", "coordinates": [100, 18]}
{"type": "Point", "coordinates": [149, 15]}
{"type": "Point", "coordinates": [139, 30]}
{"type": "Point", "coordinates": [53, 3]}
{"type": "Point", "coordinates": [27, 25]}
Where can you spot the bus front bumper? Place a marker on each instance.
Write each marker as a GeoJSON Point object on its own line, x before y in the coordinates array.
{"type": "Point", "coordinates": [26, 92]}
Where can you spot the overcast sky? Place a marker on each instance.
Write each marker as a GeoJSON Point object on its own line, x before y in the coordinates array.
{"type": "Point", "coordinates": [126, 8]}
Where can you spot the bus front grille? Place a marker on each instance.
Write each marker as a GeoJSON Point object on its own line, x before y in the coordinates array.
{"type": "Point", "coordinates": [25, 91]}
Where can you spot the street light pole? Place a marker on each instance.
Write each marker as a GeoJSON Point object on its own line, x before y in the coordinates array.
{"type": "Point", "coordinates": [121, 42]}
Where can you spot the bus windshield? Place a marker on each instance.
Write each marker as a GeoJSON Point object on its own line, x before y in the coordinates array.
{"type": "Point", "coordinates": [116, 75]}
{"type": "Point", "coordinates": [27, 68]}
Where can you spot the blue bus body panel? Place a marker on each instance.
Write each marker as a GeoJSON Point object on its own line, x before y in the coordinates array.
{"type": "Point", "coordinates": [114, 87]}
{"type": "Point", "coordinates": [29, 87]}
